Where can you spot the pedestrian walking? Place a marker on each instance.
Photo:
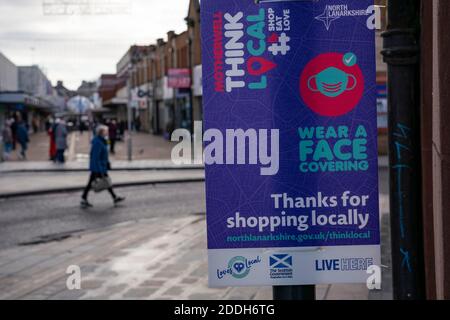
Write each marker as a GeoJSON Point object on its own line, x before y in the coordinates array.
{"type": "Point", "coordinates": [122, 129]}
{"type": "Point", "coordinates": [22, 138]}
{"type": "Point", "coordinates": [81, 127]}
{"type": "Point", "coordinates": [35, 125]}
{"type": "Point", "coordinates": [112, 128]}
{"type": "Point", "coordinates": [137, 124]}
{"type": "Point", "coordinates": [99, 166]}
{"type": "Point", "coordinates": [7, 140]}
{"type": "Point", "coordinates": [52, 145]}
{"type": "Point", "coordinates": [14, 131]}
{"type": "Point", "coordinates": [48, 123]}
{"type": "Point", "coordinates": [60, 141]}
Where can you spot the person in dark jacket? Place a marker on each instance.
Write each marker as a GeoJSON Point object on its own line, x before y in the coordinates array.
{"type": "Point", "coordinates": [112, 127]}
{"type": "Point", "coordinates": [7, 140]}
{"type": "Point", "coordinates": [22, 138]}
{"type": "Point", "coordinates": [14, 131]}
{"type": "Point", "coordinates": [52, 145]}
{"type": "Point", "coordinates": [99, 165]}
{"type": "Point", "coordinates": [60, 140]}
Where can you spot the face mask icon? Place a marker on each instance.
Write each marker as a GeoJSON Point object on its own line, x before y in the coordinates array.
{"type": "Point", "coordinates": [332, 82]}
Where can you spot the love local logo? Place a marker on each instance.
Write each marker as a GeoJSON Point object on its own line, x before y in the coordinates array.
{"type": "Point", "coordinates": [332, 84]}
{"type": "Point", "coordinates": [281, 266]}
{"type": "Point", "coordinates": [238, 267]}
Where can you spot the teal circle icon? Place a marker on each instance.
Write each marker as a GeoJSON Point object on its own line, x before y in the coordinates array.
{"type": "Point", "coordinates": [350, 59]}
{"type": "Point", "coordinates": [239, 268]}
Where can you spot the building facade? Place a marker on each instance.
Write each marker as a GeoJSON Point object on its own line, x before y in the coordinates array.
{"type": "Point", "coordinates": [33, 82]}
{"type": "Point", "coordinates": [112, 92]}
{"type": "Point", "coordinates": [131, 67]}
{"type": "Point", "coordinates": [87, 89]}
{"type": "Point", "coordinates": [9, 75]}
{"type": "Point", "coordinates": [25, 90]}
{"type": "Point", "coordinates": [164, 79]}
{"type": "Point", "coordinates": [60, 97]}
{"type": "Point", "coordinates": [436, 146]}
{"type": "Point", "coordinates": [195, 52]}
{"type": "Point", "coordinates": [9, 82]}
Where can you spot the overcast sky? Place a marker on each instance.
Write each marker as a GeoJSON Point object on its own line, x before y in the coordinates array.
{"type": "Point", "coordinates": [80, 47]}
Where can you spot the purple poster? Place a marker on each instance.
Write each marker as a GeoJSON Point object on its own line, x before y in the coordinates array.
{"type": "Point", "coordinates": [290, 141]}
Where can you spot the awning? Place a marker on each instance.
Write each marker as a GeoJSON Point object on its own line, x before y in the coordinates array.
{"type": "Point", "coordinates": [100, 110]}
{"type": "Point", "coordinates": [116, 102]}
{"type": "Point", "coordinates": [25, 100]}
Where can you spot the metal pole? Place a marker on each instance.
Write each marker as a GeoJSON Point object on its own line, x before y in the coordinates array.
{"type": "Point", "coordinates": [402, 54]}
{"type": "Point", "coordinates": [294, 293]}
{"type": "Point", "coordinates": [190, 25]}
{"type": "Point", "coordinates": [191, 97]}
{"type": "Point", "coordinates": [147, 87]}
{"type": "Point", "coordinates": [155, 104]}
{"type": "Point", "coordinates": [129, 137]}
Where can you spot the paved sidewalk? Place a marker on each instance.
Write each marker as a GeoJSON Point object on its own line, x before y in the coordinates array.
{"type": "Point", "coordinates": [145, 146]}
{"type": "Point", "coordinates": [47, 166]}
{"type": "Point", "coordinates": [159, 258]}
{"type": "Point", "coordinates": [149, 152]}
{"type": "Point", "coordinates": [22, 184]}
{"type": "Point", "coordinates": [38, 148]}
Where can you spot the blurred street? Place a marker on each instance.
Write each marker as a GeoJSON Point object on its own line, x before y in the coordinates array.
{"type": "Point", "coordinates": [145, 146]}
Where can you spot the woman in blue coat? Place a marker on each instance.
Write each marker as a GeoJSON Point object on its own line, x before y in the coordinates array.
{"type": "Point", "coordinates": [99, 165]}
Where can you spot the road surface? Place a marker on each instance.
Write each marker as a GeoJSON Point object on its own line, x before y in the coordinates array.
{"type": "Point", "coordinates": [49, 217]}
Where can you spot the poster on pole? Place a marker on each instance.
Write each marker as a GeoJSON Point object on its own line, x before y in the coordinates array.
{"type": "Point", "coordinates": [291, 160]}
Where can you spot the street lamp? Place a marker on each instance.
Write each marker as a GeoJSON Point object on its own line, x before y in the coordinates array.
{"type": "Point", "coordinates": [135, 58]}
{"type": "Point", "coordinates": [191, 24]}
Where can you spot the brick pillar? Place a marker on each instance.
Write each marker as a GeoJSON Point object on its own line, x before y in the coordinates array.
{"type": "Point", "coordinates": [441, 144]}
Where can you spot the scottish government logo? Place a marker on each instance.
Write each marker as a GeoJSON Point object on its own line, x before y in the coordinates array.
{"type": "Point", "coordinates": [238, 267]}
{"type": "Point", "coordinates": [281, 266]}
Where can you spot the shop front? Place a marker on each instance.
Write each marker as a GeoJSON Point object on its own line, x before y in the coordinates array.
{"type": "Point", "coordinates": [183, 114]}
{"type": "Point", "coordinates": [179, 80]}
{"type": "Point", "coordinates": [164, 109]}
{"type": "Point", "coordinates": [2, 124]}
{"type": "Point", "coordinates": [142, 111]}
{"type": "Point", "coordinates": [197, 91]}
{"type": "Point", "coordinates": [33, 111]}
